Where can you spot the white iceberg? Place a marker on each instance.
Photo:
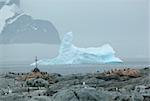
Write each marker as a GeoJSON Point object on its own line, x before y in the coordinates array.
{"type": "Point", "coordinates": [70, 54]}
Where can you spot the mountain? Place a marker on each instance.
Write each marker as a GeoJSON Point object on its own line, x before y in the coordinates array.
{"type": "Point", "coordinates": [18, 27]}
{"type": "Point", "coordinates": [70, 54]}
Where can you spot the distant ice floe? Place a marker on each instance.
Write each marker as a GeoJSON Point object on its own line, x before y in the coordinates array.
{"type": "Point", "coordinates": [70, 54]}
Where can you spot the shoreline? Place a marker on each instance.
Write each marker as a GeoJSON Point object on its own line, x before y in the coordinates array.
{"type": "Point", "coordinates": [57, 87]}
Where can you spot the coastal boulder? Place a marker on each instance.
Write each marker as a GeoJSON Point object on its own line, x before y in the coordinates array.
{"type": "Point", "coordinates": [2, 92]}
{"type": "Point", "coordinates": [40, 98]}
{"type": "Point", "coordinates": [81, 93]}
{"type": "Point", "coordinates": [37, 83]}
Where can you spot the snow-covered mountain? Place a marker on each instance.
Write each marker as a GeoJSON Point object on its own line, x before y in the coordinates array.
{"type": "Point", "coordinates": [70, 54]}
{"type": "Point", "coordinates": [18, 27]}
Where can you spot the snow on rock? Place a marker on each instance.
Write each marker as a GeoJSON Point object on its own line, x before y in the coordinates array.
{"type": "Point", "coordinates": [16, 27]}
{"type": "Point", "coordinates": [9, 9]}
{"type": "Point", "coordinates": [6, 12]}
{"type": "Point", "coordinates": [70, 54]}
{"type": "Point", "coordinates": [14, 19]}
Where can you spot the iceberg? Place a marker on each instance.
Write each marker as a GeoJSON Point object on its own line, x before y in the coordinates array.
{"type": "Point", "coordinates": [70, 54]}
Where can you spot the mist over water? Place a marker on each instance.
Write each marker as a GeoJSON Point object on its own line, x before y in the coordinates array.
{"type": "Point", "coordinates": [23, 53]}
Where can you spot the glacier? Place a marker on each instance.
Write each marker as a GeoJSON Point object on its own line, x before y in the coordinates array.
{"type": "Point", "coordinates": [70, 54]}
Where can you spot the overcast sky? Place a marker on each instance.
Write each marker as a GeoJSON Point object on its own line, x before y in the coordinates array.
{"type": "Point", "coordinates": [121, 23]}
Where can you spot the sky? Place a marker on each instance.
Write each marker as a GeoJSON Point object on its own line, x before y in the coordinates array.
{"type": "Point", "coordinates": [121, 23]}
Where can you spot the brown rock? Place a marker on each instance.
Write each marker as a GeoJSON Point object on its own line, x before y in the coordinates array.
{"type": "Point", "coordinates": [123, 72]}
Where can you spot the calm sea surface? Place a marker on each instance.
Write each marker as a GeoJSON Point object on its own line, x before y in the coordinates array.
{"type": "Point", "coordinates": [69, 69]}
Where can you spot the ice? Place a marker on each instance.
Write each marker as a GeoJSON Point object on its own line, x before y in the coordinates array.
{"type": "Point", "coordinates": [70, 54]}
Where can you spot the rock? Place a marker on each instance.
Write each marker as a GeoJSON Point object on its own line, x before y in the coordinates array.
{"type": "Point", "coordinates": [18, 27]}
{"type": "Point", "coordinates": [140, 89]}
{"type": "Point", "coordinates": [36, 70]}
{"type": "Point", "coordinates": [92, 82]}
{"type": "Point", "coordinates": [65, 95]}
{"type": "Point", "coordinates": [37, 83]}
{"type": "Point", "coordinates": [123, 72]}
{"type": "Point", "coordinates": [138, 97]}
{"type": "Point", "coordinates": [78, 87]}
{"type": "Point", "coordinates": [50, 92]}
{"type": "Point", "coordinates": [64, 84]}
{"type": "Point", "coordinates": [5, 82]}
{"type": "Point", "coordinates": [13, 97]}
{"type": "Point", "coordinates": [146, 98]}
{"type": "Point", "coordinates": [108, 78]}
{"type": "Point", "coordinates": [2, 92]}
{"type": "Point", "coordinates": [40, 98]}
{"type": "Point", "coordinates": [55, 75]}
{"type": "Point", "coordinates": [145, 71]}
{"type": "Point", "coordinates": [79, 93]}
{"type": "Point", "coordinates": [12, 76]}
{"type": "Point", "coordinates": [123, 98]}
{"type": "Point", "coordinates": [128, 87]}
{"type": "Point", "coordinates": [35, 74]}
{"type": "Point", "coordinates": [71, 77]}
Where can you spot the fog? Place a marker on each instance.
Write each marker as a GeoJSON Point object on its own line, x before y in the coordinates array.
{"type": "Point", "coordinates": [26, 53]}
{"type": "Point", "coordinates": [124, 24]}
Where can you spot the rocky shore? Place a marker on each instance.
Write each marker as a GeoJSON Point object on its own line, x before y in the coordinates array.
{"type": "Point", "coordinates": [115, 85]}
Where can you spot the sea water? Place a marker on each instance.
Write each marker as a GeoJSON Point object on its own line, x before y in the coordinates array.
{"type": "Point", "coordinates": [69, 69]}
{"type": "Point", "coordinates": [18, 57]}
